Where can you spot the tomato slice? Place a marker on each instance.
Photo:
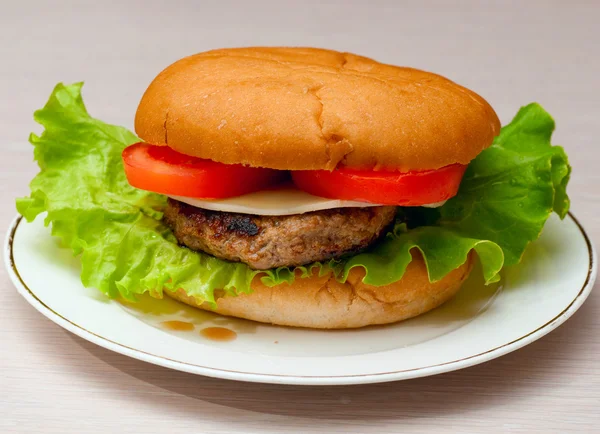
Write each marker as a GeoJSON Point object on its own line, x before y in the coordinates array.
{"type": "Point", "coordinates": [383, 187]}
{"type": "Point", "coordinates": [162, 170]}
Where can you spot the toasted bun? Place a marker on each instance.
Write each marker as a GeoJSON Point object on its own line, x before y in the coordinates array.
{"type": "Point", "coordinates": [325, 303]}
{"type": "Point", "coordinates": [308, 108]}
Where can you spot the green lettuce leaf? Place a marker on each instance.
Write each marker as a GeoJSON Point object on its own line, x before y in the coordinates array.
{"type": "Point", "coordinates": [507, 194]}
{"type": "Point", "coordinates": [116, 228]}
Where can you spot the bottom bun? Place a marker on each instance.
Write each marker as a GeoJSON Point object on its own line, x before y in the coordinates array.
{"type": "Point", "coordinates": [324, 303]}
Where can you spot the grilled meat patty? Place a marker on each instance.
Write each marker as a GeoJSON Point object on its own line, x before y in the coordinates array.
{"type": "Point", "coordinates": [265, 242]}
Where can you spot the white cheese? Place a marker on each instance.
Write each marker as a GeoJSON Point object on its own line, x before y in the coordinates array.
{"type": "Point", "coordinates": [434, 205]}
{"type": "Point", "coordinates": [282, 201]}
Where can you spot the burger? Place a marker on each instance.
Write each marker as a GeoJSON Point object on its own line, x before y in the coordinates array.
{"type": "Point", "coordinates": [296, 186]}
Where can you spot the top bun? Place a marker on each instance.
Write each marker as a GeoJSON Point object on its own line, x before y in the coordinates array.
{"type": "Point", "coordinates": [308, 109]}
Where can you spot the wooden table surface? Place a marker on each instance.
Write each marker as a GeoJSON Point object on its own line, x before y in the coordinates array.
{"type": "Point", "coordinates": [511, 53]}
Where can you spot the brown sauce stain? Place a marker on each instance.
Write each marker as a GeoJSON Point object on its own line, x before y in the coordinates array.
{"type": "Point", "coordinates": [180, 326]}
{"type": "Point", "coordinates": [220, 334]}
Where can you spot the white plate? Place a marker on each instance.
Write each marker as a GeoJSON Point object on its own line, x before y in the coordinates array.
{"type": "Point", "coordinates": [481, 323]}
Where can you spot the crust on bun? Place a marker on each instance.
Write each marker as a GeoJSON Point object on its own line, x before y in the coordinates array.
{"type": "Point", "coordinates": [325, 303]}
{"type": "Point", "coordinates": [309, 109]}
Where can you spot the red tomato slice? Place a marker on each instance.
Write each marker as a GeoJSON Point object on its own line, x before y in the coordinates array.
{"type": "Point", "coordinates": [162, 170]}
{"type": "Point", "coordinates": [381, 187]}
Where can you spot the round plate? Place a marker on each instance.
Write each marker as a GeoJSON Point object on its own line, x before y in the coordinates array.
{"type": "Point", "coordinates": [482, 322]}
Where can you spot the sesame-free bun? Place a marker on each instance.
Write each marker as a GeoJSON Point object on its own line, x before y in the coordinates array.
{"type": "Point", "coordinates": [308, 108]}
{"type": "Point", "coordinates": [325, 303]}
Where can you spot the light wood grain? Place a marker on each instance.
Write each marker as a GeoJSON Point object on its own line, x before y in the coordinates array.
{"type": "Point", "coordinates": [51, 381]}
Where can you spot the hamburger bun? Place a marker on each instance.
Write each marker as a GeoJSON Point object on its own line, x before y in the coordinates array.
{"type": "Point", "coordinates": [308, 109]}
{"type": "Point", "coordinates": [325, 303]}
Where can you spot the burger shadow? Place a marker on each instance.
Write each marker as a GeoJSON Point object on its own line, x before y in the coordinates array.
{"type": "Point", "coordinates": [491, 384]}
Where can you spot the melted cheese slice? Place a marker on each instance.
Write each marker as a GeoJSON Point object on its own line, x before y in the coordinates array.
{"type": "Point", "coordinates": [282, 201]}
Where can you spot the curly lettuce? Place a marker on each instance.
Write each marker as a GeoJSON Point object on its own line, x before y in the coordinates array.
{"type": "Point", "coordinates": [507, 194]}
{"type": "Point", "coordinates": [505, 198]}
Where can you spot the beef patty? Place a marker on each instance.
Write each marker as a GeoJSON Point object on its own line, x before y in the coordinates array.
{"type": "Point", "coordinates": [265, 242]}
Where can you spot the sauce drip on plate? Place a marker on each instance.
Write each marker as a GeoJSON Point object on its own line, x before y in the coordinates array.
{"type": "Point", "coordinates": [180, 326]}
{"type": "Point", "coordinates": [220, 334]}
